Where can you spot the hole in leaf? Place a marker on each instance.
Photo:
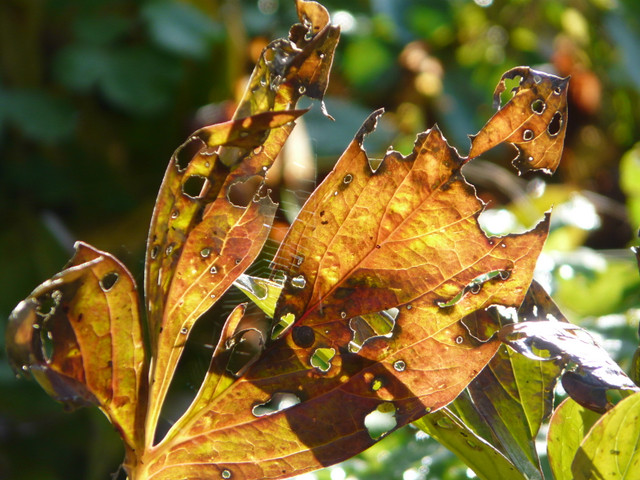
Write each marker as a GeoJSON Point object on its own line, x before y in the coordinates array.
{"type": "Point", "coordinates": [299, 281]}
{"type": "Point", "coordinates": [399, 365]}
{"type": "Point", "coordinates": [108, 281]}
{"type": "Point", "coordinates": [381, 420]}
{"type": "Point", "coordinates": [193, 185]}
{"type": "Point", "coordinates": [226, 474]}
{"type": "Point", "coordinates": [321, 358]}
{"type": "Point", "coordinates": [527, 135]}
{"type": "Point", "coordinates": [373, 325]}
{"type": "Point", "coordinates": [377, 383]}
{"type": "Point", "coordinates": [185, 153]}
{"type": "Point", "coordinates": [48, 304]}
{"type": "Point", "coordinates": [538, 106]}
{"type": "Point", "coordinates": [154, 252]}
{"type": "Point", "coordinates": [512, 85]}
{"type": "Point", "coordinates": [246, 349]}
{"type": "Point", "coordinates": [252, 285]}
{"type": "Point", "coordinates": [303, 336]}
{"type": "Point", "coordinates": [555, 125]}
{"type": "Point", "coordinates": [283, 325]}
{"type": "Point", "coordinates": [241, 193]}
{"type": "Point", "coordinates": [278, 402]}
{"type": "Point", "coordinates": [475, 285]}
{"type": "Point", "coordinates": [46, 337]}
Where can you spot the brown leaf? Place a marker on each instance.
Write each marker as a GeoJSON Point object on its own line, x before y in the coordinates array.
{"type": "Point", "coordinates": [403, 236]}
{"type": "Point", "coordinates": [200, 241]}
{"type": "Point", "coordinates": [534, 120]}
{"type": "Point", "coordinates": [91, 306]}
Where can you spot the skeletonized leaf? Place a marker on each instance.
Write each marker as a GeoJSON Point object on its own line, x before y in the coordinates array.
{"type": "Point", "coordinates": [568, 426]}
{"type": "Point", "coordinates": [610, 450]}
{"type": "Point", "coordinates": [402, 237]}
{"type": "Point", "coordinates": [534, 120]}
{"type": "Point", "coordinates": [591, 370]}
{"type": "Point", "coordinates": [91, 306]}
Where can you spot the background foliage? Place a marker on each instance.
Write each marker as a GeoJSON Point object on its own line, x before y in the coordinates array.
{"type": "Point", "coordinates": [95, 95]}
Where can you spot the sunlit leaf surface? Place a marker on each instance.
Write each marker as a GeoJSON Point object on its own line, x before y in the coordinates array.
{"type": "Point", "coordinates": [403, 237]}
{"type": "Point", "coordinates": [534, 120]}
{"type": "Point", "coordinates": [80, 336]}
{"type": "Point", "coordinates": [206, 228]}
{"type": "Point", "coordinates": [610, 449]}
{"type": "Point", "coordinates": [376, 312]}
{"type": "Point", "coordinates": [567, 428]}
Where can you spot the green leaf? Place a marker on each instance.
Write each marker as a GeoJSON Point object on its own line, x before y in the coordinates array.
{"type": "Point", "coordinates": [611, 449]}
{"type": "Point", "coordinates": [496, 395]}
{"type": "Point", "coordinates": [484, 459]}
{"type": "Point", "coordinates": [590, 373]}
{"type": "Point", "coordinates": [567, 428]}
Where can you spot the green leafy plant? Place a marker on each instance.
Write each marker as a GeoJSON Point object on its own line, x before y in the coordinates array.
{"type": "Point", "coordinates": [387, 303]}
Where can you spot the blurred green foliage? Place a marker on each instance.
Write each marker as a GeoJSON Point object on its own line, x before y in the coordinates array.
{"type": "Point", "coordinates": [96, 94]}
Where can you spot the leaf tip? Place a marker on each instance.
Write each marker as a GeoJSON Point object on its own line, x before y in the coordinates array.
{"type": "Point", "coordinates": [369, 125]}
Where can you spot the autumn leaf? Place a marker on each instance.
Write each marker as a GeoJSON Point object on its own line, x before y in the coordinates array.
{"type": "Point", "coordinates": [395, 254]}
{"type": "Point", "coordinates": [534, 120]}
{"type": "Point", "coordinates": [79, 335]}
{"type": "Point", "coordinates": [382, 284]}
{"type": "Point", "coordinates": [200, 240]}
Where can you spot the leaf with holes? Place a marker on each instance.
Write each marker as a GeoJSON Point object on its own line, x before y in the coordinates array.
{"type": "Point", "coordinates": [79, 335]}
{"type": "Point", "coordinates": [381, 316]}
{"type": "Point", "coordinates": [508, 401]}
{"type": "Point", "coordinates": [209, 222]}
{"type": "Point", "coordinates": [381, 267]}
{"type": "Point", "coordinates": [534, 120]}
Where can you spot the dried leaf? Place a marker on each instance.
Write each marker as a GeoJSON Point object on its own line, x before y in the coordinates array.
{"type": "Point", "coordinates": [200, 241]}
{"type": "Point", "coordinates": [534, 120]}
{"type": "Point", "coordinates": [404, 236]}
{"type": "Point", "coordinates": [91, 306]}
